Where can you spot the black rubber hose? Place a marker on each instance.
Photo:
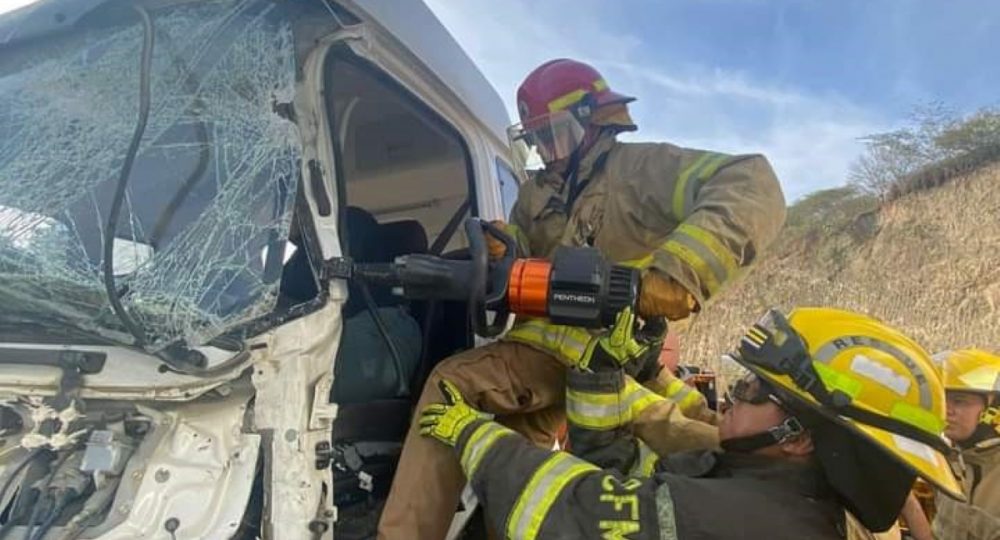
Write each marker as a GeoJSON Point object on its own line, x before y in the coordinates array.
{"type": "Point", "coordinates": [42, 489]}
{"type": "Point", "coordinates": [54, 513]}
{"type": "Point", "coordinates": [34, 515]}
{"type": "Point", "coordinates": [6, 528]}
{"type": "Point", "coordinates": [119, 197]}
{"type": "Point", "coordinates": [402, 386]}
{"type": "Point", "coordinates": [421, 374]}
{"type": "Point", "coordinates": [17, 470]}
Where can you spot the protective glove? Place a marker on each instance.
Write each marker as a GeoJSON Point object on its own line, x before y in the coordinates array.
{"type": "Point", "coordinates": [661, 296]}
{"type": "Point", "coordinates": [645, 368]}
{"type": "Point", "coordinates": [446, 421]}
{"type": "Point", "coordinates": [616, 348]}
{"type": "Point", "coordinates": [496, 248]}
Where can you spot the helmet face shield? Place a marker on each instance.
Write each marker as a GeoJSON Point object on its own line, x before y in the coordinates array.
{"type": "Point", "coordinates": [553, 136]}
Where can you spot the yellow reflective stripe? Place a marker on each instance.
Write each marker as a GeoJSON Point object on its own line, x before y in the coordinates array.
{"type": "Point", "coordinates": [902, 411]}
{"type": "Point", "coordinates": [570, 98]}
{"type": "Point", "coordinates": [691, 400]}
{"type": "Point", "coordinates": [701, 245]}
{"type": "Point", "coordinates": [562, 343]}
{"type": "Point", "coordinates": [641, 263]}
{"type": "Point", "coordinates": [639, 397]}
{"type": "Point", "coordinates": [566, 341]}
{"type": "Point", "coordinates": [675, 387]}
{"type": "Point", "coordinates": [593, 399]}
{"type": "Point", "coordinates": [481, 440]}
{"type": "Point", "coordinates": [646, 464]}
{"type": "Point", "coordinates": [917, 417]}
{"type": "Point", "coordinates": [835, 380]}
{"type": "Point", "coordinates": [682, 394]}
{"type": "Point", "coordinates": [666, 515]}
{"type": "Point", "coordinates": [596, 411]}
{"type": "Point", "coordinates": [682, 181]}
{"type": "Point", "coordinates": [519, 236]}
{"type": "Point", "coordinates": [566, 100]}
{"type": "Point", "coordinates": [544, 487]}
{"type": "Point", "coordinates": [597, 421]}
{"type": "Point", "coordinates": [690, 257]}
{"type": "Point", "coordinates": [704, 167]}
{"type": "Point", "coordinates": [756, 335]}
{"type": "Point", "coordinates": [603, 411]}
{"type": "Point", "coordinates": [711, 242]}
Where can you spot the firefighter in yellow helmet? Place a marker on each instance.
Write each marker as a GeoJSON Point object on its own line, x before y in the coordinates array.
{"type": "Point", "coordinates": [972, 384]}
{"type": "Point", "coordinates": [838, 411]}
{"type": "Point", "coordinates": [691, 220]}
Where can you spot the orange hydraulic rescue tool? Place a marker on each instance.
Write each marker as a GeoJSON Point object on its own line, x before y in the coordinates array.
{"type": "Point", "coordinates": [578, 287]}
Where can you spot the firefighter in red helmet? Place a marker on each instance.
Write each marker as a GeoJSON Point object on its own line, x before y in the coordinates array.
{"type": "Point", "coordinates": [690, 220]}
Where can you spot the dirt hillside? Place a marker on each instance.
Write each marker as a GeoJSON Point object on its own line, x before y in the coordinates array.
{"type": "Point", "coordinates": [928, 262]}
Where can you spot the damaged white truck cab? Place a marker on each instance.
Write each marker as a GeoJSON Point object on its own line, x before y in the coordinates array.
{"type": "Point", "coordinates": [179, 180]}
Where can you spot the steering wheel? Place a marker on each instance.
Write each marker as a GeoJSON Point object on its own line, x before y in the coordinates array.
{"type": "Point", "coordinates": [488, 290]}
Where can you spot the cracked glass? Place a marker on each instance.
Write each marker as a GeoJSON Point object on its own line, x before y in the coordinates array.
{"type": "Point", "coordinates": [200, 242]}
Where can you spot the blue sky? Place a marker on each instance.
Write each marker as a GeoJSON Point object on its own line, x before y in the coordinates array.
{"type": "Point", "coordinates": [799, 80]}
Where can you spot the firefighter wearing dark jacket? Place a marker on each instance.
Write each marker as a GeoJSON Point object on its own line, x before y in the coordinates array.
{"type": "Point", "coordinates": [838, 412]}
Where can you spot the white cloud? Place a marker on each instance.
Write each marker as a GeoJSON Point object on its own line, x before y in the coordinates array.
{"type": "Point", "coordinates": [809, 138]}
{"type": "Point", "coordinates": [715, 82]}
{"type": "Point", "coordinates": [11, 5]}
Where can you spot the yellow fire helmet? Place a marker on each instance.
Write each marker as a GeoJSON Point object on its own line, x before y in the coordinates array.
{"type": "Point", "coordinates": [975, 371]}
{"type": "Point", "coordinates": [866, 377]}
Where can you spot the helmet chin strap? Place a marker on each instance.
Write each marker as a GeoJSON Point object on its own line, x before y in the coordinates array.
{"type": "Point", "coordinates": [571, 175]}
{"type": "Point", "coordinates": [572, 170]}
{"type": "Point", "coordinates": [778, 434]}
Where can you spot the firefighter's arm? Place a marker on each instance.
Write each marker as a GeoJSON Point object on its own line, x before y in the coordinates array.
{"type": "Point", "coordinates": [530, 492]}
{"type": "Point", "coordinates": [527, 489]}
{"type": "Point", "coordinates": [600, 405]}
{"type": "Point", "coordinates": [691, 402]}
{"type": "Point", "coordinates": [730, 208]}
{"type": "Point", "coordinates": [601, 401]}
{"type": "Point", "coordinates": [599, 419]}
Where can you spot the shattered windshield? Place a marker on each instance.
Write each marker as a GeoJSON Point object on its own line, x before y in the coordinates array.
{"type": "Point", "coordinates": [198, 247]}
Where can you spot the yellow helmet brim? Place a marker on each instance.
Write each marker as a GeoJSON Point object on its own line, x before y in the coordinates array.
{"type": "Point", "coordinates": [926, 462]}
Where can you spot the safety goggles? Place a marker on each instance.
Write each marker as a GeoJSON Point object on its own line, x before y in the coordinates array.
{"type": "Point", "coordinates": [751, 390]}
{"type": "Point", "coordinates": [553, 136]}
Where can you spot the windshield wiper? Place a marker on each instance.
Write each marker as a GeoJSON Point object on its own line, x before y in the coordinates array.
{"type": "Point", "coordinates": [176, 355]}
{"type": "Point", "coordinates": [119, 197]}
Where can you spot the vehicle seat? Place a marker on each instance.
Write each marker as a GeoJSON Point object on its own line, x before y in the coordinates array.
{"type": "Point", "coordinates": [392, 240]}
{"type": "Point", "coordinates": [403, 237]}
{"type": "Point", "coordinates": [364, 244]}
{"type": "Point", "coordinates": [365, 369]}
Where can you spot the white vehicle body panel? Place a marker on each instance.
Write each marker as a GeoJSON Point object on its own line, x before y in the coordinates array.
{"type": "Point", "coordinates": [198, 465]}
